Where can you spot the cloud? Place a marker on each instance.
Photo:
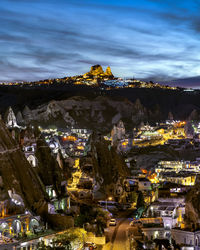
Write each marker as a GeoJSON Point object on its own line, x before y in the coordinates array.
{"type": "Point", "coordinates": [193, 82]}
{"type": "Point", "coordinates": [153, 39]}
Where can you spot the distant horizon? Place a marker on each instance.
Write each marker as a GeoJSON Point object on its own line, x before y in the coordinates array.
{"type": "Point", "coordinates": [171, 82]}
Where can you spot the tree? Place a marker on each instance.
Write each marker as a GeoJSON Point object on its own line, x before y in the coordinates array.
{"type": "Point", "coordinates": [140, 200]}
{"type": "Point", "coordinates": [101, 221]}
{"type": "Point", "coordinates": [69, 240]}
{"type": "Point", "coordinates": [133, 196]}
{"type": "Point", "coordinates": [92, 216]}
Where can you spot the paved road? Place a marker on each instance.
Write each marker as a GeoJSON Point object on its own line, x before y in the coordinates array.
{"type": "Point", "coordinates": [118, 236]}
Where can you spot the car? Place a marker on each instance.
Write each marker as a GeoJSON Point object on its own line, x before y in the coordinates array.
{"type": "Point", "coordinates": [90, 246]}
{"type": "Point", "coordinates": [112, 222]}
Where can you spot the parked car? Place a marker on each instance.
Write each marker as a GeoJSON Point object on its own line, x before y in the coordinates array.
{"type": "Point", "coordinates": [112, 222]}
{"type": "Point", "coordinates": [90, 246]}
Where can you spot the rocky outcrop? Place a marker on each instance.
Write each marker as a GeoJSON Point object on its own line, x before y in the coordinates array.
{"type": "Point", "coordinates": [109, 167]}
{"type": "Point", "coordinates": [19, 118]}
{"type": "Point", "coordinates": [194, 116]}
{"type": "Point", "coordinates": [10, 118]}
{"type": "Point", "coordinates": [23, 183]}
{"type": "Point", "coordinates": [98, 114]}
{"type": "Point", "coordinates": [48, 168]}
{"type": "Point", "coordinates": [96, 71]}
{"type": "Point", "coordinates": [189, 130]}
{"type": "Point", "coordinates": [118, 132]}
{"type": "Point", "coordinates": [192, 207]}
{"type": "Point", "coordinates": [108, 72]}
{"type": "Point", "coordinates": [18, 176]}
{"type": "Point", "coordinates": [26, 113]}
{"type": "Point", "coordinates": [139, 112]}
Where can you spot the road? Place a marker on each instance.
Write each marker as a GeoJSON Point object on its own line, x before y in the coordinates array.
{"type": "Point", "coordinates": [118, 235]}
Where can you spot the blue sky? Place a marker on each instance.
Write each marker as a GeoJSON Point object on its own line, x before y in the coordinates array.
{"type": "Point", "coordinates": [146, 39]}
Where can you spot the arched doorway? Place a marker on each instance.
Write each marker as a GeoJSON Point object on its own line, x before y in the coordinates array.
{"type": "Point", "coordinates": [32, 160]}
{"type": "Point", "coordinates": [33, 224]}
{"type": "Point", "coordinates": [4, 226]}
{"type": "Point", "coordinates": [16, 226]}
{"type": "Point", "coordinates": [4, 229]}
{"type": "Point", "coordinates": [197, 241]}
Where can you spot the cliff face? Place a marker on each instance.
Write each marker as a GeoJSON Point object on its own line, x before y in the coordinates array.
{"type": "Point", "coordinates": [182, 103]}
{"type": "Point", "coordinates": [48, 168]}
{"type": "Point", "coordinates": [192, 208]}
{"type": "Point", "coordinates": [109, 168]}
{"type": "Point", "coordinates": [20, 181]}
{"type": "Point", "coordinates": [18, 176]}
{"type": "Point", "coordinates": [99, 113]}
{"type": "Point", "coordinates": [10, 118]}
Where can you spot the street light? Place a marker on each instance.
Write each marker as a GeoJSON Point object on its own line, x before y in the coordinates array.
{"type": "Point", "coordinates": [110, 199]}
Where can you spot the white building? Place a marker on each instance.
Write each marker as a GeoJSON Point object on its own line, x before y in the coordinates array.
{"type": "Point", "coordinates": [186, 238]}
{"type": "Point", "coordinates": [171, 210]}
{"type": "Point", "coordinates": [155, 233]}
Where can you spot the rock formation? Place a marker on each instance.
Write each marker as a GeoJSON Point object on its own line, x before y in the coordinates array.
{"type": "Point", "coordinates": [99, 113]}
{"type": "Point", "coordinates": [10, 118]}
{"type": "Point", "coordinates": [108, 71]}
{"type": "Point", "coordinates": [192, 207]}
{"type": "Point", "coordinates": [139, 112]}
{"type": "Point", "coordinates": [109, 167]}
{"type": "Point", "coordinates": [48, 168]}
{"type": "Point", "coordinates": [189, 130]}
{"type": "Point", "coordinates": [96, 71]}
{"type": "Point", "coordinates": [17, 174]}
{"type": "Point", "coordinates": [118, 132]}
{"type": "Point", "coordinates": [26, 113]}
{"type": "Point", "coordinates": [194, 116]}
{"type": "Point", "coordinates": [19, 117]}
{"type": "Point", "coordinates": [19, 181]}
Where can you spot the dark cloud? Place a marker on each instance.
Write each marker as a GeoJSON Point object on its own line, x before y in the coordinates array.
{"type": "Point", "coordinates": [69, 37]}
{"type": "Point", "coordinates": [193, 82]}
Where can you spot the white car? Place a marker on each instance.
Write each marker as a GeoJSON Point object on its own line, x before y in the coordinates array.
{"type": "Point", "coordinates": [112, 222]}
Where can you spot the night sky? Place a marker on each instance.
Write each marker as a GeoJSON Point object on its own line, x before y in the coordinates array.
{"type": "Point", "coordinates": [145, 39]}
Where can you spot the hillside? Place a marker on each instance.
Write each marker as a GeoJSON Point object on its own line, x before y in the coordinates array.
{"type": "Point", "coordinates": [25, 184]}
{"type": "Point", "coordinates": [180, 102]}
{"type": "Point", "coordinates": [99, 113]}
{"type": "Point", "coordinates": [17, 174]}
{"type": "Point", "coordinates": [106, 165]}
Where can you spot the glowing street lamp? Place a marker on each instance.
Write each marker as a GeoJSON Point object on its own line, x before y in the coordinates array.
{"type": "Point", "coordinates": [108, 199]}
